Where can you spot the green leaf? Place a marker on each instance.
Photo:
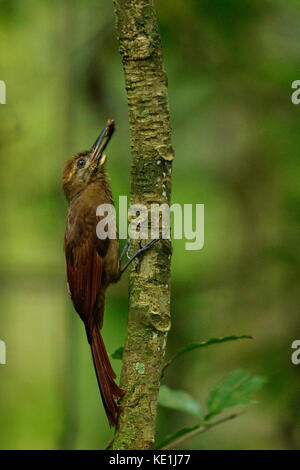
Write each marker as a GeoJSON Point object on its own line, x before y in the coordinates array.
{"type": "Point", "coordinates": [178, 400]}
{"type": "Point", "coordinates": [176, 435]}
{"type": "Point", "coordinates": [203, 344]}
{"type": "Point", "coordinates": [118, 353]}
{"type": "Point", "coordinates": [237, 388]}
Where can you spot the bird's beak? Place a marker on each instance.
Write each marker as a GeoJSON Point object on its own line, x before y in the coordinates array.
{"type": "Point", "coordinates": [102, 141]}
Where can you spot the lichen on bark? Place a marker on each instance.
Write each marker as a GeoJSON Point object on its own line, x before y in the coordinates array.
{"type": "Point", "coordinates": [152, 155]}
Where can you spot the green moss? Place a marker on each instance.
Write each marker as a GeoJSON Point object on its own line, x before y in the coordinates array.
{"type": "Point", "coordinates": [139, 23]}
{"type": "Point", "coordinates": [140, 367]}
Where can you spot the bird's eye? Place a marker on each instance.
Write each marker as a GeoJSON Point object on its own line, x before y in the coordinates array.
{"type": "Point", "coordinates": [81, 163]}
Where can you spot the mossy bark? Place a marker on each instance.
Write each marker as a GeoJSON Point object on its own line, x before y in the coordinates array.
{"type": "Point", "coordinates": [152, 155]}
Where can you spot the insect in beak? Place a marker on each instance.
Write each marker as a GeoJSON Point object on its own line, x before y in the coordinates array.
{"type": "Point", "coordinates": [102, 141]}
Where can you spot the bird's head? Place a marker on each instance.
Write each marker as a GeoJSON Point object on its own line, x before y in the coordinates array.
{"type": "Point", "coordinates": [85, 167]}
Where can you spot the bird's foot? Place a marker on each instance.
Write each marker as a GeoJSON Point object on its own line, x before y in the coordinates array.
{"type": "Point", "coordinates": [125, 251]}
{"type": "Point", "coordinates": [137, 255]}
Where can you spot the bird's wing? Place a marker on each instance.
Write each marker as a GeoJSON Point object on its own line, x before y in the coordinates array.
{"type": "Point", "coordinates": [83, 262]}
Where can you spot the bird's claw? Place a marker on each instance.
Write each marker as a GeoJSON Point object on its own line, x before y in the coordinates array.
{"type": "Point", "coordinates": [138, 254]}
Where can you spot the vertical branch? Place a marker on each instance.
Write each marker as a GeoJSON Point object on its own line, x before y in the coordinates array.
{"type": "Point", "coordinates": [152, 155]}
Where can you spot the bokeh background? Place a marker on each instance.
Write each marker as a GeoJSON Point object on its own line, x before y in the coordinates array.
{"type": "Point", "coordinates": [236, 135]}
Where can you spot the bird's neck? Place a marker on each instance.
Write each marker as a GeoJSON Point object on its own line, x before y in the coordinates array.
{"type": "Point", "coordinates": [95, 193]}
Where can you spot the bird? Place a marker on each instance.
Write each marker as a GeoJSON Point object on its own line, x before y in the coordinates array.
{"type": "Point", "coordinates": [93, 263]}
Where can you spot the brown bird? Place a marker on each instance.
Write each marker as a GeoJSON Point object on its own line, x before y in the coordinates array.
{"type": "Point", "coordinates": [93, 263]}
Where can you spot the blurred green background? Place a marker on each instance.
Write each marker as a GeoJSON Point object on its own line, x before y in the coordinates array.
{"type": "Point", "coordinates": [236, 135]}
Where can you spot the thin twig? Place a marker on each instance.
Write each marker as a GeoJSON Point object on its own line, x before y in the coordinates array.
{"type": "Point", "coordinates": [200, 430]}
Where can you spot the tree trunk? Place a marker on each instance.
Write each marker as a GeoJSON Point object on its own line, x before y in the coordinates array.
{"type": "Point", "coordinates": [152, 155]}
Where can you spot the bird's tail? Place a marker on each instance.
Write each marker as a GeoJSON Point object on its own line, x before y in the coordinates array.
{"type": "Point", "coordinates": [105, 376]}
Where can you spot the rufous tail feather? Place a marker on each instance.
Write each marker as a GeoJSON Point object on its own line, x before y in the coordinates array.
{"type": "Point", "coordinates": [109, 390]}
